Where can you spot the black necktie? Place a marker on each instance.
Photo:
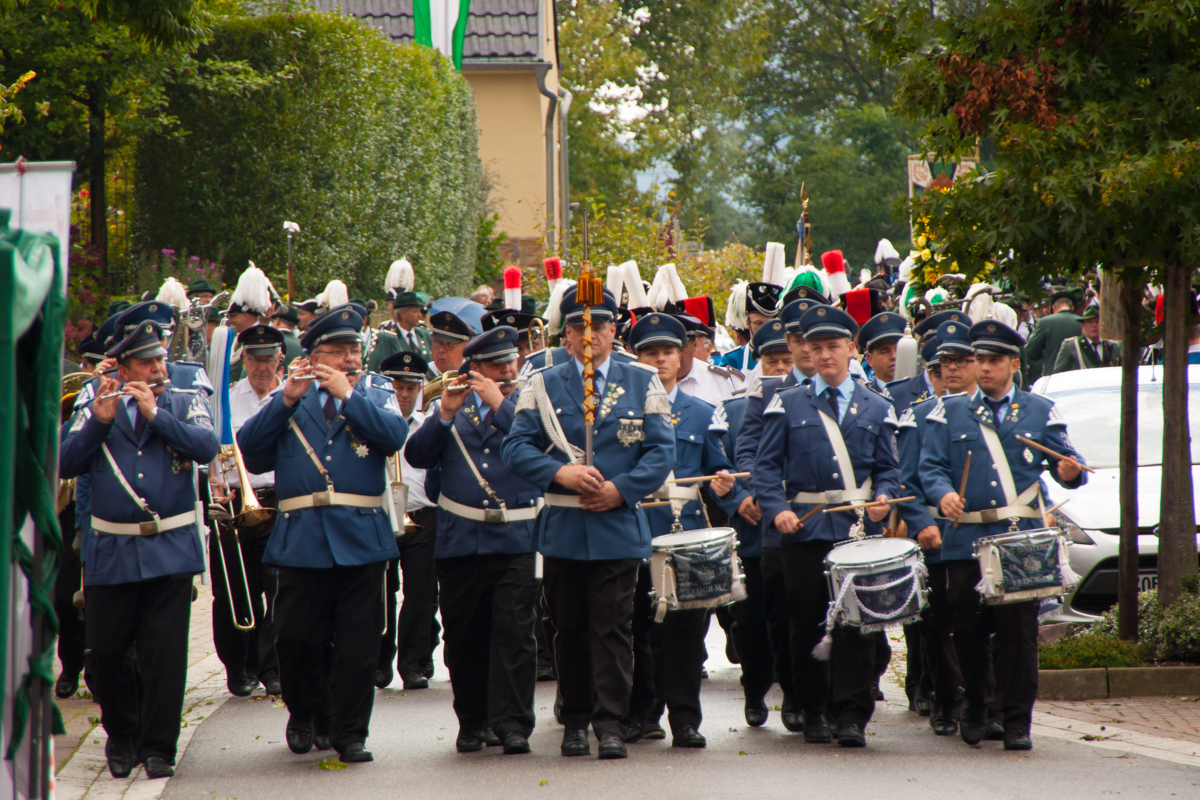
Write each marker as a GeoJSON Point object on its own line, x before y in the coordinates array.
{"type": "Point", "coordinates": [832, 394]}
{"type": "Point", "coordinates": [487, 418]}
{"type": "Point", "coordinates": [330, 409]}
{"type": "Point", "coordinates": [806, 382]}
{"type": "Point", "coordinates": [139, 422]}
{"type": "Point", "coordinates": [995, 405]}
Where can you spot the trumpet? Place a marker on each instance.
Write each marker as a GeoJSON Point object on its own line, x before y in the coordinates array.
{"type": "Point", "coordinates": [251, 515]}
{"type": "Point", "coordinates": [541, 334]}
{"type": "Point", "coordinates": [152, 385]}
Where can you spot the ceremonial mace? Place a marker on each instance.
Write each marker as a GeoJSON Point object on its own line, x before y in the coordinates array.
{"type": "Point", "coordinates": [804, 230]}
{"type": "Point", "coordinates": [291, 228]}
{"type": "Point", "coordinates": [589, 292]}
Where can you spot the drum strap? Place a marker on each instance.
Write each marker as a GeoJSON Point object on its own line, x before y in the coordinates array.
{"type": "Point", "coordinates": [839, 450]}
{"type": "Point", "coordinates": [483, 484]}
{"type": "Point", "coordinates": [996, 450]}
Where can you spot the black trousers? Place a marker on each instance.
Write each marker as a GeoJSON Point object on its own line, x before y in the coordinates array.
{"type": "Point", "coordinates": [775, 609]}
{"type": "Point", "coordinates": [244, 653]}
{"type": "Point", "coordinates": [71, 637]}
{"type": "Point", "coordinates": [591, 604]}
{"type": "Point", "coordinates": [314, 607]}
{"type": "Point", "coordinates": [410, 637]}
{"type": "Point", "coordinates": [751, 635]}
{"type": "Point", "coordinates": [140, 700]}
{"type": "Point", "coordinates": [843, 686]}
{"type": "Point", "coordinates": [918, 677]}
{"type": "Point", "coordinates": [1015, 676]}
{"type": "Point", "coordinates": [488, 607]}
{"type": "Point", "coordinates": [946, 676]}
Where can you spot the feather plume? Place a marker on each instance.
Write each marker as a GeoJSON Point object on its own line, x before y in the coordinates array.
{"type": "Point", "coordinates": [512, 287]}
{"type": "Point", "coordinates": [885, 250]}
{"type": "Point", "coordinates": [676, 292]}
{"type": "Point", "coordinates": [735, 308]}
{"type": "Point", "coordinates": [175, 293]}
{"type": "Point", "coordinates": [906, 358]}
{"type": "Point", "coordinates": [774, 264]}
{"type": "Point", "coordinates": [835, 273]}
{"type": "Point", "coordinates": [906, 269]}
{"type": "Point", "coordinates": [657, 297]}
{"type": "Point", "coordinates": [400, 277]}
{"type": "Point", "coordinates": [554, 319]}
{"type": "Point", "coordinates": [614, 280]}
{"type": "Point", "coordinates": [335, 294]}
{"type": "Point", "coordinates": [634, 286]}
{"type": "Point", "coordinates": [253, 291]}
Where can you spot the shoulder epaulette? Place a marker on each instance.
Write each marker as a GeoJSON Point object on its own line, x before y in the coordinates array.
{"type": "Point", "coordinates": [737, 373]}
{"type": "Point", "coordinates": [719, 370]}
{"type": "Point", "coordinates": [938, 413]}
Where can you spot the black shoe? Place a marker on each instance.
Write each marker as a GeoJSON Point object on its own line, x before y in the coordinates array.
{"type": "Point", "coordinates": [793, 720]}
{"type": "Point", "coordinates": [545, 672]}
{"type": "Point", "coordinates": [687, 736]}
{"type": "Point", "coordinates": [731, 653]}
{"type": "Point", "coordinates": [515, 743]}
{"type": "Point", "coordinates": [756, 713]}
{"type": "Point", "coordinates": [994, 730]}
{"type": "Point", "coordinates": [299, 734]}
{"type": "Point", "coordinates": [355, 753]}
{"type": "Point", "coordinates": [971, 727]}
{"type": "Point", "coordinates": [575, 743]}
{"type": "Point", "coordinates": [878, 694]}
{"type": "Point", "coordinates": [321, 741]}
{"type": "Point", "coordinates": [611, 746]}
{"type": "Point", "coordinates": [427, 670]}
{"type": "Point", "coordinates": [490, 738]}
{"type": "Point", "coordinates": [383, 676]}
{"type": "Point", "coordinates": [851, 735]}
{"type": "Point", "coordinates": [1017, 740]}
{"type": "Point", "coordinates": [817, 729]}
{"type": "Point", "coordinates": [703, 674]}
{"type": "Point", "coordinates": [943, 725]}
{"type": "Point", "coordinates": [922, 705]}
{"type": "Point", "coordinates": [558, 708]}
{"type": "Point", "coordinates": [634, 732]}
{"type": "Point", "coordinates": [158, 768]}
{"type": "Point", "coordinates": [469, 742]}
{"type": "Point", "coordinates": [239, 685]}
{"type": "Point", "coordinates": [120, 757]}
{"type": "Point", "coordinates": [654, 730]}
{"type": "Point", "coordinates": [272, 687]}
{"type": "Point", "coordinates": [416, 681]}
{"type": "Point", "coordinates": [66, 685]}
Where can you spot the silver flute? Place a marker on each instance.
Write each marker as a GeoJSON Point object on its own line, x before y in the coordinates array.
{"type": "Point", "coordinates": [111, 395]}
{"type": "Point", "coordinates": [315, 378]}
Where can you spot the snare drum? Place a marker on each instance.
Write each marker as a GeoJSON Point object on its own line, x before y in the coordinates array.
{"type": "Point", "coordinates": [696, 569]}
{"type": "Point", "coordinates": [875, 583]}
{"type": "Point", "coordinates": [1024, 565]}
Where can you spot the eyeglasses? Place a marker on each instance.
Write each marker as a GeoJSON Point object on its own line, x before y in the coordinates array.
{"type": "Point", "coordinates": [957, 363]}
{"type": "Point", "coordinates": [343, 353]}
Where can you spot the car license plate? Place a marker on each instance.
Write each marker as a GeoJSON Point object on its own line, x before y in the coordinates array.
{"type": "Point", "coordinates": [1147, 581]}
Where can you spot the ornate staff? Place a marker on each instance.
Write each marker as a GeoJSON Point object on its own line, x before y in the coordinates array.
{"type": "Point", "coordinates": [589, 292]}
{"type": "Point", "coordinates": [804, 230]}
{"type": "Point", "coordinates": [291, 228]}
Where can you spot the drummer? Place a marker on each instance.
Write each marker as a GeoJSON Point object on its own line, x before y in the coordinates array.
{"type": "Point", "coordinates": [669, 658]}
{"type": "Point", "coordinates": [1003, 493]}
{"type": "Point", "coordinates": [805, 429]}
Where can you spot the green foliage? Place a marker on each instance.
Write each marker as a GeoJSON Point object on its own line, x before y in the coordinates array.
{"type": "Point", "coordinates": [369, 146]}
{"type": "Point", "coordinates": [1171, 634]}
{"type": "Point", "coordinates": [488, 264]}
{"type": "Point", "coordinates": [1089, 651]}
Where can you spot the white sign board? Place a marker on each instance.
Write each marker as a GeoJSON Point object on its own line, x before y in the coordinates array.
{"type": "Point", "coordinates": [39, 194]}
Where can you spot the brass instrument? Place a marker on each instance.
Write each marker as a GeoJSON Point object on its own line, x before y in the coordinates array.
{"type": "Point", "coordinates": [541, 334]}
{"type": "Point", "coordinates": [251, 515]}
{"type": "Point", "coordinates": [399, 492]}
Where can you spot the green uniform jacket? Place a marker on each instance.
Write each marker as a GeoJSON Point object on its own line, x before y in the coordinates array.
{"type": "Point", "coordinates": [1046, 340]}
{"type": "Point", "coordinates": [419, 340]}
{"type": "Point", "coordinates": [291, 348]}
{"type": "Point", "coordinates": [1106, 354]}
{"type": "Point", "coordinates": [381, 345]}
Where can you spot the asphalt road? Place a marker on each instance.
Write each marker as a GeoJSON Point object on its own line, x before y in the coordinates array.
{"type": "Point", "coordinates": [239, 753]}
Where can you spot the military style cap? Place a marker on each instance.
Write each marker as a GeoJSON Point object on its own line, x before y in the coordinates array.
{"type": "Point", "coordinates": [929, 352]}
{"type": "Point", "coordinates": [881, 329]}
{"type": "Point", "coordinates": [803, 292]}
{"type": "Point", "coordinates": [825, 321]}
{"type": "Point", "coordinates": [287, 313]}
{"type": "Point", "coordinates": [954, 338]}
{"type": "Point", "coordinates": [572, 312]}
{"type": "Point", "coordinates": [310, 306]}
{"type": "Point", "coordinates": [405, 299]}
{"type": "Point", "coordinates": [694, 327]}
{"type": "Point", "coordinates": [198, 286]}
{"type": "Point", "coordinates": [506, 316]}
{"type": "Point", "coordinates": [771, 337]}
{"type": "Point", "coordinates": [657, 328]}
{"type": "Point", "coordinates": [142, 341]}
{"type": "Point", "coordinates": [1091, 312]}
{"type": "Point", "coordinates": [340, 324]}
{"type": "Point", "coordinates": [793, 311]}
{"type": "Point", "coordinates": [404, 366]}
{"type": "Point", "coordinates": [89, 345]}
{"type": "Point", "coordinates": [117, 306]}
{"type": "Point", "coordinates": [152, 310]}
{"type": "Point", "coordinates": [493, 347]}
{"type": "Point", "coordinates": [1065, 293]}
{"type": "Point", "coordinates": [447, 326]}
{"type": "Point", "coordinates": [763, 298]}
{"type": "Point", "coordinates": [929, 325]}
{"type": "Point", "coordinates": [213, 315]}
{"type": "Point", "coordinates": [995, 338]}
{"type": "Point", "coordinates": [261, 340]}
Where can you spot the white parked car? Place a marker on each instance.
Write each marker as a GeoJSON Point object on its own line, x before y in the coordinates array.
{"type": "Point", "coordinates": [1090, 401]}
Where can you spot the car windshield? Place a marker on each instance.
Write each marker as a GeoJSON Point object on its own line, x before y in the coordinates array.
{"type": "Point", "coordinates": [1094, 422]}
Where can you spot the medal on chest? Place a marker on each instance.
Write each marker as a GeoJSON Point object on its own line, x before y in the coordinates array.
{"type": "Point", "coordinates": [360, 448]}
{"type": "Point", "coordinates": [610, 399]}
{"type": "Point", "coordinates": [630, 432]}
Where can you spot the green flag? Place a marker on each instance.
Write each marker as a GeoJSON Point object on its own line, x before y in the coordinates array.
{"type": "Point", "coordinates": [442, 24]}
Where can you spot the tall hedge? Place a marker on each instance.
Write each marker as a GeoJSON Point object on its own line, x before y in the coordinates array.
{"type": "Point", "coordinates": [370, 146]}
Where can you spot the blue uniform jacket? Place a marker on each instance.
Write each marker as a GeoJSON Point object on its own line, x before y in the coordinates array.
{"type": "Point", "coordinates": [431, 446]}
{"type": "Point", "coordinates": [733, 412]}
{"type": "Point", "coordinates": [158, 467]}
{"type": "Point", "coordinates": [953, 429]}
{"type": "Point", "coordinates": [796, 456]}
{"type": "Point", "coordinates": [745, 454]}
{"type": "Point", "coordinates": [910, 435]}
{"type": "Point", "coordinates": [734, 359]}
{"type": "Point", "coordinates": [907, 391]}
{"type": "Point", "coordinates": [636, 467]}
{"type": "Point", "coordinates": [699, 450]}
{"type": "Point", "coordinates": [537, 360]}
{"type": "Point", "coordinates": [353, 451]}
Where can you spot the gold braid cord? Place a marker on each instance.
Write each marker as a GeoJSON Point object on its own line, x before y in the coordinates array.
{"type": "Point", "coordinates": [589, 292]}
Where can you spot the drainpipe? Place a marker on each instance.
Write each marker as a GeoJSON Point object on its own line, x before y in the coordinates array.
{"type": "Point", "coordinates": [564, 184]}
{"type": "Point", "coordinates": [540, 71]}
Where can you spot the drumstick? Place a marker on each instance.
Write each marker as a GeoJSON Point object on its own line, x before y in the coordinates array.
{"type": "Point", "coordinates": [1057, 506]}
{"type": "Point", "coordinates": [699, 478]}
{"type": "Point", "coordinates": [655, 503]}
{"type": "Point", "coordinates": [1050, 452]}
{"type": "Point", "coordinates": [962, 486]}
{"type": "Point", "coordinates": [856, 506]}
{"type": "Point", "coordinates": [815, 509]}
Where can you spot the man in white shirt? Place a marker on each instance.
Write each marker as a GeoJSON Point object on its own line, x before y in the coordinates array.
{"type": "Point", "coordinates": [412, 637]}
{"type": "Point", "coordinates": [698, 378]}
{"type": "Point", "coordinates": [248, 655]}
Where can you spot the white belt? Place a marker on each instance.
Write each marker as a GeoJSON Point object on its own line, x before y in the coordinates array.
{"type": "Point", "coordinates": [989, 515]}
{"type": "Point", "coordinates": [330, 498]}
{"type": "Point", "coordinates": [495, 516]}
{"type": "Point", "coordinates": [562, 500]}
{"type": "Point", "coordinates": [833, 496]}
{"type": "Point", "coordinates": [149, 528]}
{"type": "Point", "coordinates": [671, 491]}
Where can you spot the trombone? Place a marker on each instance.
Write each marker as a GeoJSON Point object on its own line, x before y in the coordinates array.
{"type": "Point", "coordinates": [252, 514]}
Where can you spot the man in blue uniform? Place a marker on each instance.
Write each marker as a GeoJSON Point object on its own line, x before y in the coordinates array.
{"type": "Point", "coordinates": [592, 531]}
{"type": "Point", "coordinates": [811, 433]}
{"type": "Point", "coordinates": [328, 438]}
{"type": "Point", "coordinates": [907, 391]}
{"type": "Point", "coordinates": [877, 341]}
{"type": "Point", "coordinates": [137, 447]}
{"type": "Point", "coordinates": [669, 659]}
{"type": "Point", "coordinates": [1003, 493]}
{"type": "Point", "coordinates": [485, 548]}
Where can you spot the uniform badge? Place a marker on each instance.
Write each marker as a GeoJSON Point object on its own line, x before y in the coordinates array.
{"type": "Point", "coordinates": [611, 396]}
{"type": "Point", "coordinates": [1028, 456]}
{"type": "Point", "coordinates": [854, 408]}
{"type": "Point", "coordinates": [630, 432]}
{"type": "Point", "coordinates": [361, 451]}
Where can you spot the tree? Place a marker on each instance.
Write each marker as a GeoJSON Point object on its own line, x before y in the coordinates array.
{"type": "Point", "coordinates": [1091, 106]}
